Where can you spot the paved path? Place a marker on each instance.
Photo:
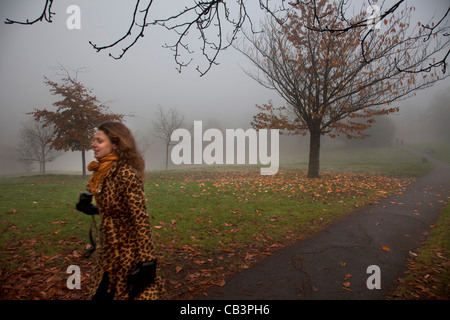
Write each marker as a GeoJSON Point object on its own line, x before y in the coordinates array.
{"type": "Point", "coordinates": [316, 268]}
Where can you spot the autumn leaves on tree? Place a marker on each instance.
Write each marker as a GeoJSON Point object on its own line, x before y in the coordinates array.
{"type": "Point", "coordinates": [335, 83]}
{"type": "Point", "coordinates": [77, 115]}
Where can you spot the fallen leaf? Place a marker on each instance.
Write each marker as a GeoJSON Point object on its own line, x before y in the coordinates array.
{"type": "Point", "coordinates": [385, 248]}
{"type": "Point", "coordinates": [436, 280]}
{"type": "Point", "coordinates": [412, 254]}
{"type": "Point", "coordinates": [248, 256]}
{"type": "Point", "coordinates": [219, 283]}
{"type": "Point", "coordinates": [199, 262]}
{"type": "Point", "coordinates": [178, 268]}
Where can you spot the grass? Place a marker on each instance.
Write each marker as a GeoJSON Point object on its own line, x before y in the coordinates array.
{"type": "Point", "coordinates": [440, 151]}
{"type": "Point", "coordinates": [386, 161]}
{"type": "Point", "coordinates": [35, 201]}
{"type": "Point", "coordinates": [428, 275]}
{"type": "Point", "coordinates": [391, 161]}
{"type": "Point", "coordinates": [41, 207]}
{"type": "Point", "coordinates": [206, 221]}
{"type": "Point", "coordinates": [217, 210]}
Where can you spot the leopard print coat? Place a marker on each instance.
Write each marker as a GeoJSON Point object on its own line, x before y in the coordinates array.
{"type": "Point", "coordinates": [125, 233]}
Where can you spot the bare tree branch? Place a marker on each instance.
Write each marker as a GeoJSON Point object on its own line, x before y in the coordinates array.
{"type": "Point", "coordinates": [363, 23]}
{"type": "Point", "coordinates": [212, 19]}
{"type": "Point", "coordinates": [441, 63]}
{"type": "Point", "coordinates": [438, 29]}
{"type": "Point", "coordinates": [46, 14]}
{"type": "Point", "coordinates": [207, 15]}
{"type": "Point", "coordinates": [141, 26]}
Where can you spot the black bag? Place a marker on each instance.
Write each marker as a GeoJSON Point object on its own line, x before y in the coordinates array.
{"type": "Point", "coordinates": [141, 278]}
{"type": "Point", "coordinates": [85, 205]}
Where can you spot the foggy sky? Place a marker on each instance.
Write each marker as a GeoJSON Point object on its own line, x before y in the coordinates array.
{"type": "Point", "coordinates": [142, 80]}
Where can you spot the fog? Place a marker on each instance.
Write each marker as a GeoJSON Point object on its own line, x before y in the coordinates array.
{"type": "Point", "coordinates": [146, 78]}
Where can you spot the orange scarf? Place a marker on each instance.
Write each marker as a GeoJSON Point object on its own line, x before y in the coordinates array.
{"type": "Point", "coordinates": [101, 170]}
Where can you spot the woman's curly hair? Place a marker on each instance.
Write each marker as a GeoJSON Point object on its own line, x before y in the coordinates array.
{"type": "Point", "coordinates": [125, 143]}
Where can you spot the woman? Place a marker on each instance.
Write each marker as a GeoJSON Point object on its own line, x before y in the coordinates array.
{"type": "Point", "coordinates": [127, 257]}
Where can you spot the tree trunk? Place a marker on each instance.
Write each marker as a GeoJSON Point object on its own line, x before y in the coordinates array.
{"type": "Point", "coordinates": [167, 155]}
{"type": "Point", "coordinates": [83, 162]}
{"type": "Point", "coordinates": [43, 159]}
{"type": "Point", "coordinates": [314, 155]}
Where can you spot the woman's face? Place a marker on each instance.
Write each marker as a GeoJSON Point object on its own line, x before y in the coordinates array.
{"type": "Point", "coordinates": [102, 145]}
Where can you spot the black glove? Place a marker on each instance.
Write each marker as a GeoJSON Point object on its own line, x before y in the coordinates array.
{"type": "Point", "coordinates": [85, 204]}
{"type": "Point", "coordinates": [141, 278]}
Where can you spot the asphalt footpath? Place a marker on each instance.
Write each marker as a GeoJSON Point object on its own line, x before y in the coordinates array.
{"type": "Point", "coordinates": [359, 257]}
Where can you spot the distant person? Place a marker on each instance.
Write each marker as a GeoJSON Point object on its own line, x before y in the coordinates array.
{"type": "Point", "coordinates": [126, 264]}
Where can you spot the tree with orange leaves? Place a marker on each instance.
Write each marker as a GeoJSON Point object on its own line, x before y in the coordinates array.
{"type": "Point", "coordinates": [328, 85]}
{"type": "Point", "coordinates": [76, 117]}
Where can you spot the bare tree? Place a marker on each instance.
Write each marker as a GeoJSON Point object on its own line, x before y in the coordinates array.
{"type": "Point", "coordinates": [144, 144]}
{"type": "Point", "coordinates": [164, 124]}
{"type": "Point", "coordinates": [36, 144]}
{"type": "Point", "coordinates": [328, 88]}
{"type": "Point", "coordinates": [211, 19]}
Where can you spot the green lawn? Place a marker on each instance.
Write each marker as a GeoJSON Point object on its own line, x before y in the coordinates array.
{"type": "Point", "coordinates": [206, 221]}
{"type": "Point", "coordinates": [428, 275]}
{"type": "Point", "coordinates": [389, 161]}
{"type": "Point", "coordinates": [440, 151]}
{"type": "Point", "coordinates": [41, 206]}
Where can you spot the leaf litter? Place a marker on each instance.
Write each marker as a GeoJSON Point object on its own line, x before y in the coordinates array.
{"type": "Point", "coordinates": [189, 269]}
